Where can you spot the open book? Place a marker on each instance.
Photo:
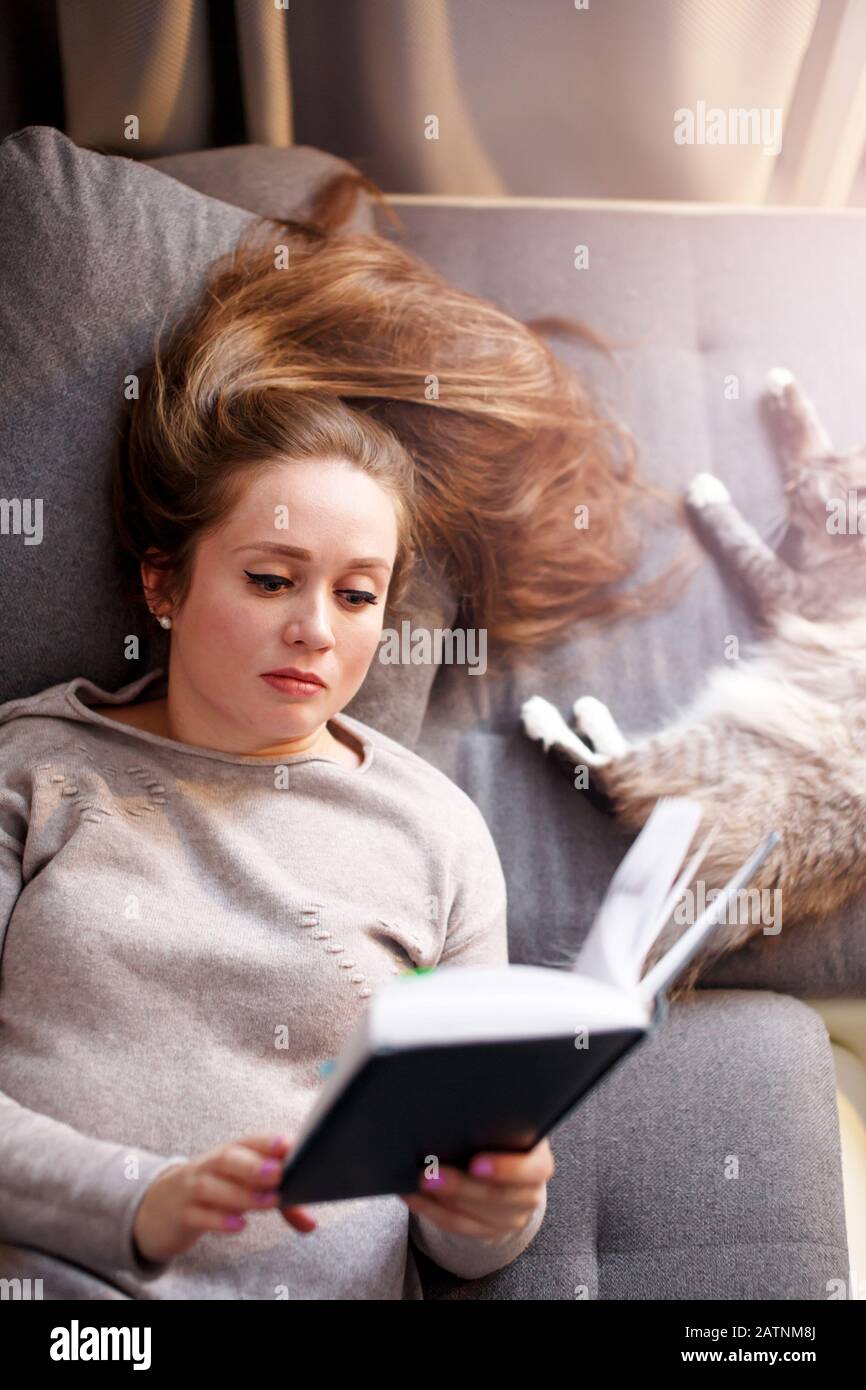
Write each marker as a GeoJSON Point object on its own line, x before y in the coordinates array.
{"type": "Point", "coordinates": [447, 1063]}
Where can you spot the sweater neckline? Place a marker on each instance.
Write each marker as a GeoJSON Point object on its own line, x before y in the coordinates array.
{"type": "Point", "coordinates": [128, 694]}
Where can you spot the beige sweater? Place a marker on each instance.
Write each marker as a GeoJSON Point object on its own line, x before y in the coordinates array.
{"type": "Point", "coordinates": [187, 937]}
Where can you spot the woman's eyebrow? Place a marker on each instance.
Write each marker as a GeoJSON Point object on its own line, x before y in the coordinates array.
{"type": "Point", "coordinates": [296, 552]}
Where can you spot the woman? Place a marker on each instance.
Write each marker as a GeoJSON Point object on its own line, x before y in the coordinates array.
{"type": "Point", "coordinates": [202, 887]}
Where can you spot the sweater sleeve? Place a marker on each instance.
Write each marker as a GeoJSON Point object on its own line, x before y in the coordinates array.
{"type": "Point", "coordinates": [471, 1257]}
{"type": "Point", "coordinates": [62, 1191]}
{"type": "Point", "coordinates": [477, 934]}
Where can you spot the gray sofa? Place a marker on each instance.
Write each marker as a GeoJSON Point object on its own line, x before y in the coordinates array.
{"type": "Point", "coordinates": [725, 1158]}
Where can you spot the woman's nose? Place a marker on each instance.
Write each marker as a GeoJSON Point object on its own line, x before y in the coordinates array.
{"type": "Point", "coordinates": [310, 621]}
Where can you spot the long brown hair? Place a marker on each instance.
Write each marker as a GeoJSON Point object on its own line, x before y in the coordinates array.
{"type": "Point", "coordinates": [308, 339]}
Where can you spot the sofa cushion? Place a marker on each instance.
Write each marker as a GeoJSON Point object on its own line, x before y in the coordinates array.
{"type": "Point", "coordinates": [263, 179]}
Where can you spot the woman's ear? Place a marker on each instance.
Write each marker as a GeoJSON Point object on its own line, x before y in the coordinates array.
{"type": "Point", "coordinates": [152, 581]}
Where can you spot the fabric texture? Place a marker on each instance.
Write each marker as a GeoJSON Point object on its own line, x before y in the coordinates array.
{"type": "Point", "coordinates": [277, 182]}
{"type": "Point", "coordinates": [188, 937]}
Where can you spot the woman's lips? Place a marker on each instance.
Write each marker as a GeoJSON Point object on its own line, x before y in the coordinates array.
{"type": "Point", "coordinates": [289, 685]}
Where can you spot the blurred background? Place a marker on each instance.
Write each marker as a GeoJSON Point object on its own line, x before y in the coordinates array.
{"type": "Point", "coordinates": [635, 99]}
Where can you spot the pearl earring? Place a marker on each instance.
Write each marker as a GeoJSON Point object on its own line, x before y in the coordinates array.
{"type": "Point", "coordinates": [164, 621]}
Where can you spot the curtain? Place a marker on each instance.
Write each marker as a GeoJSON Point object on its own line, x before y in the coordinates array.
{"type": "Point", "coordinates": [149, 77]}
{"type": "Point", "coordinates": [488, 98]}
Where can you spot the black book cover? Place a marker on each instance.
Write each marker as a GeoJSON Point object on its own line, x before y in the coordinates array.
{"type": "Point", "coordinates": [446, 1101]}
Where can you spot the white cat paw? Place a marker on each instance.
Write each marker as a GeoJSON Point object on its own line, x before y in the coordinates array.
{"type": "Point", "coordinates": [706, 488]}
{"type": "Point", "coordinates": [777, 379]}
{"type": "Point", "coordinates": [593, 718]}
{"type": "Point", "coordinates": [541, 720]}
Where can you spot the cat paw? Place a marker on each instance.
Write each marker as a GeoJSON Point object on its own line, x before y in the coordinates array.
{"type": "Point", "coordinates": [706, 488]}
{"type": "Point", "coordinates": [593, 718]}
{"type": "Point", "coordinates": [801, 435]}
{"type": "Point", "coordinates": [778, 379]}
{"type": "Point", "coordinates": [541, 720]}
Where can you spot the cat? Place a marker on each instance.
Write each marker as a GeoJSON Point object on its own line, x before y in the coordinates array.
{"type": "Point", "coordinates": [776, 739]}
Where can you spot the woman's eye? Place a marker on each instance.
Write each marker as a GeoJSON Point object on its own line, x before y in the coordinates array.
{"type": "Point", "coordinates": [361, 594]}
{"type": "Point", "coordinates": [260, 580]}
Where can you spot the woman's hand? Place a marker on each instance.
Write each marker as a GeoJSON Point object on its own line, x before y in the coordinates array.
{"type": "Point", "coordinates": [210, 1193]}
{"type": "Point", "coordinates": [498, 1203]}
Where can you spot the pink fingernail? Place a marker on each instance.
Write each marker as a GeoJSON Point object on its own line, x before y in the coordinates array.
{"type": "Point", "coordinates": [481, 1167]}
{"type": "Point", "coordinates": [233, 1223]}
{"type": "Point", "coordinates": [270, 1165]}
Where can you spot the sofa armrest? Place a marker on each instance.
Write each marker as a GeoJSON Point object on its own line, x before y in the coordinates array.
{"type": "Point", "coordinates": [845, 1020]}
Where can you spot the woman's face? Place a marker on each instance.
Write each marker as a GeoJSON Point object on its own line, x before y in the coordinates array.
{"type": "Point", "coordinates": [254, 608]}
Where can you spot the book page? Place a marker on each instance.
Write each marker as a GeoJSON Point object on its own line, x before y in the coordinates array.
{"type": "Point", "coordinates": [630, 915]}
